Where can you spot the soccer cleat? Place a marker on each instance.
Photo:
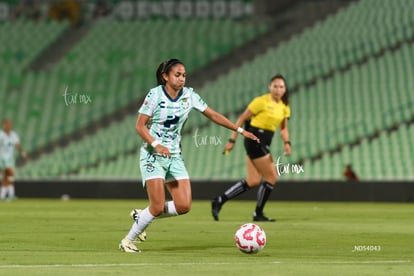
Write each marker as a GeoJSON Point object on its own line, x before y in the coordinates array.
{"type": "Point", "coordinates": [215, 208]}
{"type": "Point", "coordinates": [262, 218]}
{"type": "Point", "coordinates": [134, 214]}
{"type": "Point", "coordinates": [126, 245]}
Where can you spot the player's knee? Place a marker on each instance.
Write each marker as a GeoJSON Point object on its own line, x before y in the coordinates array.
{"type": "Point", "coordinates": [183, 208]}
{"type": "Point", "coordinates": [156, 209]}
{"type": "Point", "coordinates": [271, 180]}
{"type": "Point", "coordinates": [253, 182]}
{"type": "Point", "coordinates": [9, 172]}
{"type": "Point", "coordinates": [8, 177]}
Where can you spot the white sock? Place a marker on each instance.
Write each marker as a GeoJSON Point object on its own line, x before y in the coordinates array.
{"type": "Point", "coordinates": [145, 219]}
{"type": "Point", "coordinates": [3, 192]}
{"type": "Point", "coordinates": [11, 191]}
{"type": "Point", "coordinates": [169, 210]}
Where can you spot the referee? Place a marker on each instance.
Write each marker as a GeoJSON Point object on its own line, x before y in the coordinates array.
{"type": "Point", "coordinates": [262, 116]}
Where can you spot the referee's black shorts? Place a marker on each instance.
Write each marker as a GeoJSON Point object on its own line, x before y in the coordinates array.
{"type": "Point", "coordinates": [255, 150]}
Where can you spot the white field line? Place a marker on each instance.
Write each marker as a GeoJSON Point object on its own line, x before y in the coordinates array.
{"type": "Point", "coordinates": [201, 263]}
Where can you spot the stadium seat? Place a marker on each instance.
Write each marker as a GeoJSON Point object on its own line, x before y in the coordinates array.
{"type": "Point", "coordinates": [331, 113]}
{"type": "Point", "coordinates": [111, 72]}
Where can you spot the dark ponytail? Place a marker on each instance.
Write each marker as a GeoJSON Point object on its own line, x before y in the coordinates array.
{"type": "Point", "coordinates": [165, 67]}
{"type": "Point", "coordinates": [158, 74]}
{"type": "Point", "coordinates": [285, 97]}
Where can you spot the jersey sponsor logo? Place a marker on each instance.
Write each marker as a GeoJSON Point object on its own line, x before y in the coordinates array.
{"type": "Point", "coordinates": [171, 120]}
{"type": "Point", "coordinates": [163, 104]}
{"type": "Point", "coordinates": [166, 136]}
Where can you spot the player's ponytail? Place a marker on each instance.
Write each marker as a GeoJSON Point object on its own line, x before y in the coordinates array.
{"type": "Point", "coordinates": [285, 97]}
{"type": "Point", "coordinates": [165, 67]}
{"type": "Point", "coordinates": [158, 74]}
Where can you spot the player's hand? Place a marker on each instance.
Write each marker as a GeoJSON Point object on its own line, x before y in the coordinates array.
{"type": "Point", "coordinates": [287, 149]}
{"type": "Point", "coordinates": [250, 135]}
{"type": "Point", "coordinates": [24, 156]}
{"type": "Point", "coordinates": [228, 148]}
{"type": "Point", "coordinates": [163, 151]}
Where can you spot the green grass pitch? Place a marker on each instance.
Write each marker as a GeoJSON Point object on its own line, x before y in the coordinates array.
{"type": "Point", "coordinates": [80, 237]}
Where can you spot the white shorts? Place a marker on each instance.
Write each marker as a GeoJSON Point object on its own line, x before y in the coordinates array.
{"type": "Point", "coordinates": [7, 163]}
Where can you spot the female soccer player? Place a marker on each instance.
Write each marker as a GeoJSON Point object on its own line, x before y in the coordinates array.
{"type": "Point", "coordinates": [161, 117]}
{"type": "Point", "coordinates": [266, 113]}
{"type": "Point", "coordinates": [8, 141]}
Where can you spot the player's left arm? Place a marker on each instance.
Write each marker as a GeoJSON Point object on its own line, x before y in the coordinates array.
{"type": "Point", "coordinates": [284, 134]}
{"type": "Point", "coordinates": [222, 120]}
{"type": "Point", "coordinates": [21, 151]}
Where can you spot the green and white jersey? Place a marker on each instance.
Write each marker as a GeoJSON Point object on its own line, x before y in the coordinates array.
{"type": "Point", "coordinates": [169, 115]}
{"type": "Point", "coordinates": [7, 144]}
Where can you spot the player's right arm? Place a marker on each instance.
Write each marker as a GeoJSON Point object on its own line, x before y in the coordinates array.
{"type": "Point", "coordinates": [247, 114]}
{"type": "Point", "coordinates": [142, 130]}
{"type": "Point", "coordinates": [21, 151]}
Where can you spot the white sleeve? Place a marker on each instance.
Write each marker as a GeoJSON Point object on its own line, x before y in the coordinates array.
{"type": "Point", "coordinates": [149, 104]}
{"type": "Point", "coordinates": [16, 138]}
{"type": "Point", "coordinates": [198, 102]}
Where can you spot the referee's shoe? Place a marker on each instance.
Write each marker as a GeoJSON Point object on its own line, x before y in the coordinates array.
{"type": "Point", "coordinates": [215, 208]}
{"type": "Point", "coordinates": [261, 217]}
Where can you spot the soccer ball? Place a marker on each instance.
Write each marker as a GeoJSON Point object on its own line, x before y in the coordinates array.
{"type": "Point", "coordinates": [250, 238]}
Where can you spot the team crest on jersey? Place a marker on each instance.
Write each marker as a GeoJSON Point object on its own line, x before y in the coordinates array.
{"type": "Point", "coordinates": [150, 167]}
{"type": "Point", "coordinates": [184, 103]}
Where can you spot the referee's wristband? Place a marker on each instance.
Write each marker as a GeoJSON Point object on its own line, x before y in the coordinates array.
{"type": "Point", "coordinates": [232, 141]}
{"type": "Point", "coordinates": [288, 142]}
{"type": "Point", "coordinates": [240, 130]}
{"type": "Point", "coordinates": [155, 143]}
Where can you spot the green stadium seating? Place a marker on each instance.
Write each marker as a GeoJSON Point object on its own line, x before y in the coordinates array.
{"type": "Point", "coordinates": [364, 28]}
{"type": "Point", "coordinates": [333, 112]}
{"type": "Point", "coordinates": [387, 158]}
{"type": "Point", "coordinates": [112, 72]}
{"type": "Point", "coordinates": [22, 40]}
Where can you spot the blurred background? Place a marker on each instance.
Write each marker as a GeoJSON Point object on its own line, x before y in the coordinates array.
{"type": "Point", "coordinates": [73, 74]}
